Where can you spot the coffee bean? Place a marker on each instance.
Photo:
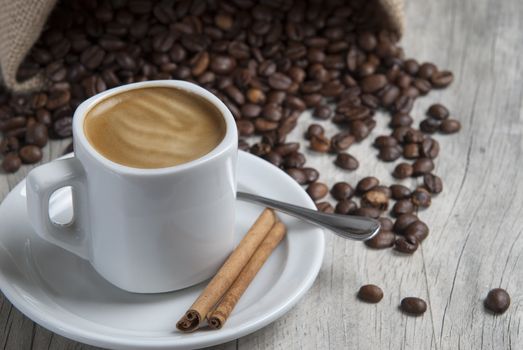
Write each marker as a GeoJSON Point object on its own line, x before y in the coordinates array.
{"type": "Point", "coordinates": [320, 143]}
{"type": "Point", "coordinates": [429, 125]}
{"type": "Point", "coordinates": [411, 66]}
{"type": "Point", "coordinates": [322, 112]}
{"type": "Point", "coordinates": [414, 306]}
{"type": "Point", "coordinates": [422, 166]}
{"type": "Point", "coordinates": [403, 104]}
{"type": "Point", "coordinates": [367, 41]}
{"type": "Point", "coordinates": [423, 86]}
{"type": "Point", "coordinates": [375, 199]}
{"type": "Point", "coordinates": [92, 57]}
{"type": "Point", "coordinates": [359, 129]}
{"type": "Point", "coordinates": [400, 119]}
{"type": "Point", "coordinates": [368, 212]}
{"type": "Point", "coordinates": [314, 130]}
{"type": "Point", "coordinates": [346, 161]}
{"type": "Point", "coordinates": [279, 81]}
{"type": "Point", "coordinates": [407, 244]}
{"type": "Point", "coordinates": [399, 192]}
{"type": "Point", "coordinates": [8, 145]}
{"type": "Point", "coordinates": [400, 133]}
{"type": "Point", "coordinates": [413, 136]}
{"type": "Point", "coordinates": [58, 98]}
{"type": "Point", "coordinates": [256, 96]}
{"type": "Point", "coordinates": [370, 293]}
{"type": "Point", "coordinates": [421, 198]}
{"type": "Point", "coordinates": [384, 239]}
{"type": "Point", "coordinates": [438, 111]}
{"type": "Point", "coordinates": [497, 300]}
{"type": "Point", "coordinates": [11, 163]}
{"type": "Point", "coordinates": [264, 125]}
{"type": "Point", "coordinates": [294, 160]}
{"type": "Point", "coordinates": [245, 127]}
{"type": "Point", "coordinates": [373, 83]}
{"type": "Point", "coordinates": [403, 221]}
{"type": "Point", "coordinates": [317, 190]}
{"type": "Point", "coordinates": [366, 184]}
{"type": "Point", "coordinates": [418, 229]}
{"type": "Point", "coordinates": [200, 62]}
{"type": "Point", "coordinates": [386, 224]}
{"type": "Point", "coordinates": [273, 158]}
{"type": "Point", "coordinates": [342, 141]}
{"type": "Point", "coordinates": [429, 148]}
{"type": "Point", "coordinates": [311, 174]}
{"type": "Point", "coordinates": [36, 134]}
{"type": "Point", "coordinates": [442, 79]}
{"type": "Point", "coordinates": [30, 154]}
{"type": "Point", "coordinates": [403, 206]}
{"type": "Point", "coordinates": [222, 64]}
{"type": "Point", "coordinates": [345, 206]}
{"type": "Point", "coordinates": [433, 183]}
{"type": "Point", "coordinates": [411, 151]}
{"type": "Point", "coordinates": [13, 123]}
{"type": "Point", "coordinates": [427, 70]}
{"type": "Point", "coordinates": [385, 141]}
{"type": "Point", "coordinates": [297, 174]}
{"type": "Point", "coordinates": [402, 171]}
{"type": "Point", "coordinates": [449, 126]}
{"type": "Point", "coordinates": [56, 71]}
{"type": "Point", "coordinates": [389, 153]}
{"type": "Point", "coordinates": [287, 148]}
{"type": "Point", "coordinates": [325, 207]}
{"type": "Point", "coordinates": [342, 190]}
{"type": "Point", "coordinates": [63, 127]}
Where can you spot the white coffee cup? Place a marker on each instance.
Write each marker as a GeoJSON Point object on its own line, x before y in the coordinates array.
{"type": "Point", "coordinates": [143, 230]}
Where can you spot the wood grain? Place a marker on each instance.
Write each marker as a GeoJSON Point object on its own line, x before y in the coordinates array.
{"type": "Point", "coordinates": [476, 239]}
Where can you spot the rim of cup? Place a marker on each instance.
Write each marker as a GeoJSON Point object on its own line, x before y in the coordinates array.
{"type": "Point", "coordinates": [229, 140]}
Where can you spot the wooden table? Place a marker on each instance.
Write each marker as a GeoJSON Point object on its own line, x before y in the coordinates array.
{"type": "Point", "coordinates": [476, 239]}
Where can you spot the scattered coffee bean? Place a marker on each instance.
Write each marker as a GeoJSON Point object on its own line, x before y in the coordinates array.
{"type": "Point", "coordinates": [414, 306]}
{"type": "Point", "coordinates": [429, 148]}
{"type": "Point", "coordinates": [384, 239]}
{"type": "Point", "coordinates": [11, 162]}
{"type": "Point", "coordinates": [311, 174]}
{"type": "Point", "coordinates": [449, 126]}
{"type": "Point", "coordinates": [433, 183]}
{"type": "Point", "coordinates": [390, 153]}
{"type": "Point", "coordinates": [346, 161]}
{"type": "Point", "coordinates": [422, 166]}
{"type": "Point", "coordinates": [497, 301]}
{"type": "Point", "coordinates": [407, 244]}
{"type": "Point", "coordinates": [421, 198]}
{"type": "Point", "coordinates": [438, 111]}
{"type": "Point", "coordinates": [342, 141]}
{"type": "Point", "coordinates": [370, 293]}
{"type": "Point", "coordinates": [403, 221]}
{"type": "Point", "coordinates": [375, 199]}
{"type": "Point", "coordinates": [320, 143]}
{"type": "Point", "coordinates": [368, 212]}
{"type": "Point", "coordinates": [399, 192]}
{"type": "Point", "coordinates": [345, 206]}
{"type": "Point", "coordinates": [366, 184]}
{"type": "Point", "coordinates": [429, 125]}
{"type": "Point", "coordinates": [403, 206]}
{"type": "Point", "coordinates": [298, 175]}
{"type": "Point", "coordinates": [386, 224]}
{"type": "Point", "coordinates": [342, 190]}
{"type": "Point", "coordinates": [418, 229]}
{"type": "Point", "coordinates": [442, 79]}
{"type": "Point", "coordinates": [317, 190]}
{"type": "Point", "coordinates": [325, 207]}
{"type": "Point", "coordinates": [30, 154]}
{"type": "Point", "coordinates": [402, 171]}
{"type": "Point", "coordinates": [314, 130]}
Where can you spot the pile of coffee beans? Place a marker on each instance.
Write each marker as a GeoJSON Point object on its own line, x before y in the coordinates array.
{"type": "Point", "coordinates": [268, 61]}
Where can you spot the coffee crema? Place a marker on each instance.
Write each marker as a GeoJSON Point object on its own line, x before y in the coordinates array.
{"type": "Point", "coordinates": [154, 127]}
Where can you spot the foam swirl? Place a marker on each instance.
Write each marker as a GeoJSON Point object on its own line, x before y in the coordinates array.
{"type": "Point", "coordinates": [154, 127]}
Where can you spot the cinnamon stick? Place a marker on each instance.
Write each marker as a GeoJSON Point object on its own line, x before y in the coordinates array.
{"type": "Point", "coordinates": [229, 271]}
{"type": "Point", "coordinates": [219, 315]}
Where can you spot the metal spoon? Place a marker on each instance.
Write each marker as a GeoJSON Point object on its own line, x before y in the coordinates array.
{"type": "Point", "coordinates": [355, 227]}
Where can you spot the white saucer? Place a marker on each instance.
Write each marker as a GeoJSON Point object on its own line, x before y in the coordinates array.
{"type": "Point", "coordinates": [64, 294]}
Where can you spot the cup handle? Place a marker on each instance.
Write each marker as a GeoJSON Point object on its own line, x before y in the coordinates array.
{"type": "Point", "coordinates": [40, 185]}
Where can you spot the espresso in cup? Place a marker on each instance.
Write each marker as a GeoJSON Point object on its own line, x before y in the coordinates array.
{"type": "Point", "coordinates": [154, 127]}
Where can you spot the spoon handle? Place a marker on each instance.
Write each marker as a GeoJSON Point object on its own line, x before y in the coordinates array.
{"type": "Point", "coordinates": [347, 226]}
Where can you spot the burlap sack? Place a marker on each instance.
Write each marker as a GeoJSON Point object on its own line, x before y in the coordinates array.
{"type": "Point", "coordinates": [21, 22]}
